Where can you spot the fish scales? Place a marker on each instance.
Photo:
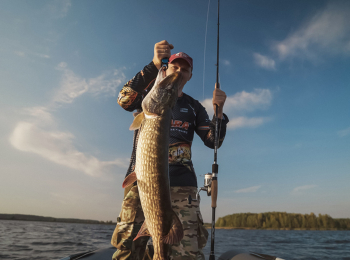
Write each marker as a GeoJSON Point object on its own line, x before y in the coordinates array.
{"type": "Point", "coordinates": [152, 165]}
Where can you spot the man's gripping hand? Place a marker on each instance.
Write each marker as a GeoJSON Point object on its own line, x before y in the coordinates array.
{"type": "Point", "coordinates": [161, 50]}
{"type": "Point", "coordinates": [219, 98]}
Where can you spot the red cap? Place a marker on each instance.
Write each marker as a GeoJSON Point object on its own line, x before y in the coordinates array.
{"type": "Point", "coordinates": [181, 55]}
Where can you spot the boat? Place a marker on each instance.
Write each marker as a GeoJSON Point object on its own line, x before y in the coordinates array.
{"type": "Point", "coordinates": [107, 253]}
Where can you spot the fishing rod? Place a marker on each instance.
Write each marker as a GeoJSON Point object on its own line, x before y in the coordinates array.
{"type": "Point", "coordinates": [215, 166]}
{"type": "Point", "coordinates": [211, 179]}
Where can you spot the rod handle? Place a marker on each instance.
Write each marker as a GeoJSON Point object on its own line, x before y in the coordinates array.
{"type": "Point", "coordinates": [214, 192]}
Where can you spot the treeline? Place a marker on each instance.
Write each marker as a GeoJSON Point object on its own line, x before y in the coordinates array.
{"type": "Point", "coordinates": [50, 219]}
{"type": "Point", "coordinates": [283, 220]}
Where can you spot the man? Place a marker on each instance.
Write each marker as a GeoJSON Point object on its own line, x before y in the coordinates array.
{"type": "Point", "coordinates": [189, 116]}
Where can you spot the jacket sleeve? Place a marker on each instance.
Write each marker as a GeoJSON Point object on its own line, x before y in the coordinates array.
{"type": "Point", "coordinates": [131, 95]}
{"type": "Point", "coordinates": [205, 127]}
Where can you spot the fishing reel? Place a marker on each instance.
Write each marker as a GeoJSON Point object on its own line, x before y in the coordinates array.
{"type": "Point", "coordinates": [164, 65]}
{"type": "Point", "coordinates": [207, 188]}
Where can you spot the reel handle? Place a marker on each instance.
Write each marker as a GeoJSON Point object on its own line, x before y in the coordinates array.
{"type": "Point", "coordinates": [214, 192]}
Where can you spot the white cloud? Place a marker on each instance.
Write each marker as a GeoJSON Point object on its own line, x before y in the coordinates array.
{"type": "Point", "coordinates": [73, 86]}
{"type": "Point", "coordinates": [242, 103]}
{"type": "Point", "coordinates": [40, 114]}
{"type": "Point", "coordinates": [250, 189]}
{"type": "Point", "coordinates": [240, 122]}
{"type": "Point", "coordinates": [344, 132]}
{"type": "Point", "coordinates": [38, 133]}
{"type": "Point", "coordinates": [45, 56]}
{"type": "Point", "coordinates": [326, 32]}
{"type": "Point", "coordinates": [303, 188]}
{"type": "Point", "coordinates": [226, 62]}
{"type": "Point", "coordinates": [264, 61]}
{"type": "Point", "coordinates": [245, 101]}
{"type": "Point", "coordinates": [258, 99]}
{"type": "Point", "coordinates": [31, 54]}
{"type": "Point", "coordinates": [57, 146]}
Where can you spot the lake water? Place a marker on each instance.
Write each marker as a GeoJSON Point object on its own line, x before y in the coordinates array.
{"type": "Point", "coordinates": [24, 240]}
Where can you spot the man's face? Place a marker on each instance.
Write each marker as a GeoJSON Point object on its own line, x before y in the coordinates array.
{"type": "Point", "coordinates": [180, 65]}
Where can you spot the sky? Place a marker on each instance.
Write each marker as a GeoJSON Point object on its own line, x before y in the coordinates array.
{"type": "Point", "coordinates": [284, 65]}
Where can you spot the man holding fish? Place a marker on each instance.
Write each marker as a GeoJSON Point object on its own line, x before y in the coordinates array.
{"type": "Point", "coordinates": [163, 135]}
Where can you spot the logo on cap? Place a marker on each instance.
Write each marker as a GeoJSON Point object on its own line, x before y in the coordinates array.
{"type": "Point", "coordinates": [182, 55]}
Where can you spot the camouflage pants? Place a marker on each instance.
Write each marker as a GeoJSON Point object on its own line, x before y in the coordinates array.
{"type": "Point", "coordinates": [131, 219]}
{"type": "Point", "coordinates": [195, 235]}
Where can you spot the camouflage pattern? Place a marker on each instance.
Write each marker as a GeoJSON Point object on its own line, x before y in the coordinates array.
{"type": "Point", "coordinates": [195, 235]}
{"type": "Point", "coordinates": [131, 219]}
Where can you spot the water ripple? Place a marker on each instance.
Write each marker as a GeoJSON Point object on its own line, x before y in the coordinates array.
{"type": "Point", "coordinates": [23, 240]}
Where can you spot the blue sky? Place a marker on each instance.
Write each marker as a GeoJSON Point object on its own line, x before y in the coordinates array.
{"type": "Point", "coordinates": [284, 66]}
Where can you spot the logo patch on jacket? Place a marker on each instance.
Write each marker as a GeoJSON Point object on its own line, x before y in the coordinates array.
{"type": "Point", "coordinates": [180, 124]}
{"type": "Point", "coordinates": [184, 110]}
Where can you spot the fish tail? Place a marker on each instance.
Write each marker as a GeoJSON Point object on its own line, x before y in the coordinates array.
{"type": "Point", "coordinates": [176, 232]}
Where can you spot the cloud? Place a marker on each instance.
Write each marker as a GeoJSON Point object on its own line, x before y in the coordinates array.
{"type": "Point", "coordinates": [226, 62]}
{"type": "Point", "coordinates": [73, 86]}
{"type": "Point", "coordinates": [57, 146]}
{"type": "Point", "coordinates": [242, 103]}
{"type": "Point", "coordinates": [40, 114]}
{"type": "Point", "coordinates": [328, 31]}
{"type": "Point", "coordinates": [303, 188]}
{"type": "Point", "coordinates": [31, 54]}
{"type": "Point", "coordinates": [240, 122]}
{"type": "Point", "coordinates": [258, 99]}
{"type": "Point", "coordinates": [45, 56]}
{"type": "Point", "coordinates": [344, 132]}
{"type": "Point", "coordinates": [264, 61]}
{"type": "Point", "coordinates": [39, 132]}
{"type": "Point", "coordinates": [250, 189]}
{"type": "Point", "coordinates": [245, 101]}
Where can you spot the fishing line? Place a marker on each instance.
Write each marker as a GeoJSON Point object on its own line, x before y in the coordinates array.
{"type": "Point", "coordinates": [205, 46]}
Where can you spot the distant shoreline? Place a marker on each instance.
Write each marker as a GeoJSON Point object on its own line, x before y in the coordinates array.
{"type": "Point", "coordinates": [282, 221]}
{"type": "Point", "coordinates": [208, 226]}
{"type": "Point", "coordinates": [23, 217]}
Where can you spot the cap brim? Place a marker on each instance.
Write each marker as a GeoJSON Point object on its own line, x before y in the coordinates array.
{"type": "Point", "coordinates": [178, 58]}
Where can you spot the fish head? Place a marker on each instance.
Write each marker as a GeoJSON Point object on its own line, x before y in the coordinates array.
{"type": "Point", "coordinates": [163, 95]}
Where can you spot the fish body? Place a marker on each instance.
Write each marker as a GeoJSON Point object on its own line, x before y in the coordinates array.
{"type": "Point", "coordinates": [152, 165]}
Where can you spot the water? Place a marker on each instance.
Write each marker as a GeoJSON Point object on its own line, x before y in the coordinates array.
{"type": "Point", "coordinates": [22, 240]}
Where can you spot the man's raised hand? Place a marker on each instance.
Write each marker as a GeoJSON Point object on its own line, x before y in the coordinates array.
{"type": "Point", "coordinates": [161, 50]}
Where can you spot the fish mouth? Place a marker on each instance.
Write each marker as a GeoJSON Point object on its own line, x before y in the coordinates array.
{"type": "Point", "coordinates": [163, 95]}
{"type": "Point", "coordinates": [169, 81]}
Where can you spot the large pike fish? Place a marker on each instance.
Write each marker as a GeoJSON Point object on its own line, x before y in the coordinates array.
{"type": "Point", "coordinates": [152, 165]}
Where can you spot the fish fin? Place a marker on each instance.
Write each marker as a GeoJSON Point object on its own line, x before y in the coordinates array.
{"type": "Point", "coordinates": [136, 124]}
{"type": "Point", "coordinates": [176, 232]}
{"type": "Point", "coordinates": [129, 180]}
{"type": "Point", "coordinates": [143, 231]}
